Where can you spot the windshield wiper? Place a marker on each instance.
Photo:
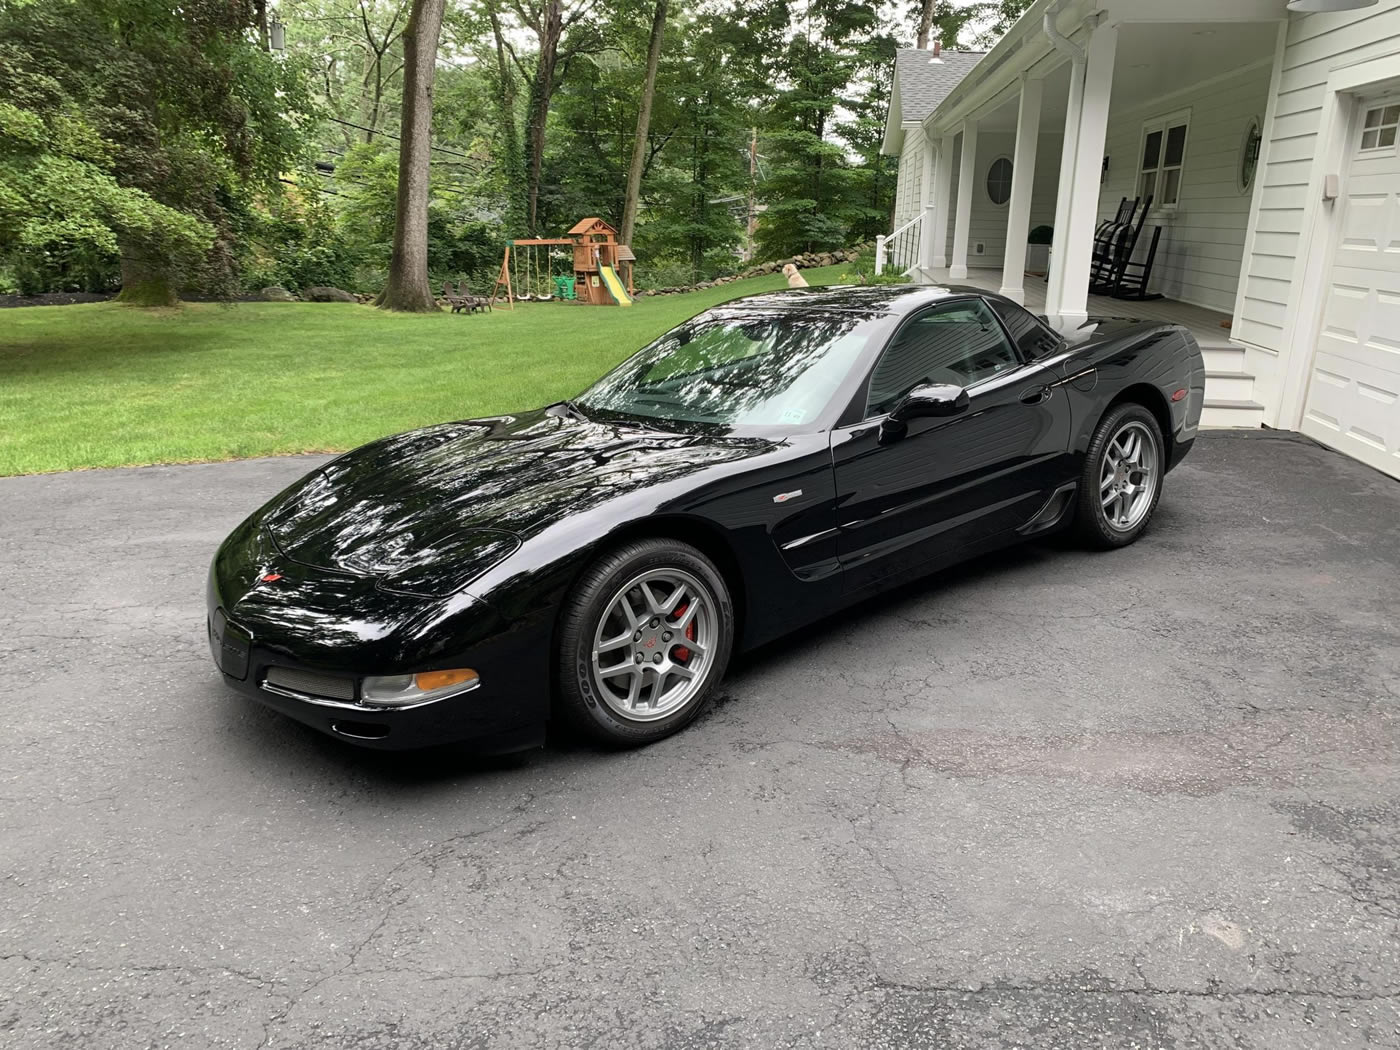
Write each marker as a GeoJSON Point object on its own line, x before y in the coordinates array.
{"type": "Point", "coordinates": [571, 407]}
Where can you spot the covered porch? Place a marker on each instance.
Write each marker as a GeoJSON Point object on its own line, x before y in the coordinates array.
{"type": "Point", "coordinates": [1085, 105]}
{"type": "Point", "coordinates": [1211, 328]}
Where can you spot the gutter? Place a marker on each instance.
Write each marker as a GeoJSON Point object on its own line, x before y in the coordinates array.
{"type": "Point", "coordinates": [1058, 40]}
{"type": "Point", "coordinates": [1035, 35]}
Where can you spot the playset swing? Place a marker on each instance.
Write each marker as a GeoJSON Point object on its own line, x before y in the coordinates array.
{"type": "Point", "coordinates": [597, 258]}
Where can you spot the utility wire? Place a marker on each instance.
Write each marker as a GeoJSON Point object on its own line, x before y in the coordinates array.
{"type": "Point", "coordinates": [387, 135]}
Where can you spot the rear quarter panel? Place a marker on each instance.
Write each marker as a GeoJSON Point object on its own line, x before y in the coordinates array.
{"type": "Point", "coordinates": [1163, 358]}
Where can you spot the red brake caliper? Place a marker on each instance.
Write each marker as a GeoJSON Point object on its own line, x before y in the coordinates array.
{"type": "Point", "coordinates": [682, 653]}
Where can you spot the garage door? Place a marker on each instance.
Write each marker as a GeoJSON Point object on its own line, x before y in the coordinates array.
{"type": "Point", "coordinates": [1354, 394]}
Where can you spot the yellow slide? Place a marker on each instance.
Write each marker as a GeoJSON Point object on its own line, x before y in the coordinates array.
{"type": "Point", "coordinates": [615, 286]}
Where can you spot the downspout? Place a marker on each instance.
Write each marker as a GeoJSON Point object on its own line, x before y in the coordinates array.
{"type": "Point", "coordinates": [1074, 113]}
{"type": "Point", "coordinates": [1058, 40]}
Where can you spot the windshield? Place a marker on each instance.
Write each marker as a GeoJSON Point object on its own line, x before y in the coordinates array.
{"type": "Point", "coordinates": [736, 368]}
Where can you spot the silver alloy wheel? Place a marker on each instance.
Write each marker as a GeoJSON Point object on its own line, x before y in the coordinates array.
{"type": "Point", "coordinates": [654, 644]}
{"type": "Point", "coordinates": [1129, 476]}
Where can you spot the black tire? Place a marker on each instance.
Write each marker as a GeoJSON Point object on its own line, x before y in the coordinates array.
{"type": "Point", "coordinates": [581, 693]}
{"type": "Point", "coordinates": [1092, 524]}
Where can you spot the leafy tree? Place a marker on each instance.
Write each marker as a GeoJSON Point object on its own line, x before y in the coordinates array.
{"type": "Point", "coordinates": [62, 212]}
{"type": "Point", "coordinates": [690, 221]}
{"type": "Point", "coordinates": [639, 142]}
{"type": "Point", "coordinates": [978, 23]}
{"type": "Point", "coordinates": [355, 48]}
{"type": "Point", "coordinates": [562, 31]}
{"type": "Point", "coordinates": [811, 192]}
{"type": "Point", "coordinates": [146, 126]}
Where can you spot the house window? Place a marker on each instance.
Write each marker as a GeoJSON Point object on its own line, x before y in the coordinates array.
{"type": "Point", "coordinates": [1378, 130]}
{"type": "Point", "coordinates": [1163, 154]}
{"type": "Point", "coordinates": [999, 181]}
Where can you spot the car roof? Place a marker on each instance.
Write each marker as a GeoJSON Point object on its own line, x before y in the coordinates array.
{"type": "Point", "coordinates": [871, 300]}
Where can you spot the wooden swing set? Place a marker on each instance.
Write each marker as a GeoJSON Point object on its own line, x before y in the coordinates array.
{"type": "Point", "coordinates": [597, 257]}
{"type": "Point", "coordinates": [522, 276]}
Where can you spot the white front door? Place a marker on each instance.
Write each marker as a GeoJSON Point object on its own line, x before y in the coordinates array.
{"type": "Point", "coordinates": [1353, 399]}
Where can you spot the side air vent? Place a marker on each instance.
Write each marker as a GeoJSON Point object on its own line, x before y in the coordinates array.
{"type": "Point", "coordinates": [333, 687]}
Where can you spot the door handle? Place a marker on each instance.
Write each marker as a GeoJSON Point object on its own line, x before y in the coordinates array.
{"type": "Point", "coordinates": [1035, 395]}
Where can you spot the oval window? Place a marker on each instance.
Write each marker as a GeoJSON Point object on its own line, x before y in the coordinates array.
{"type": "Point", "coordinates": [1249, 153]}
{"type": "Point", "coordinates": [999, 180]}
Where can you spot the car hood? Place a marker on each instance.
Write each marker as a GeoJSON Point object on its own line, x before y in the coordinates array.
{"type": "Point", "coordinates": [464, 494]}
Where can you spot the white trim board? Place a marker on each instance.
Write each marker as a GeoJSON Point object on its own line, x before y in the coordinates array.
{"type": "Point", "coordinates": [1319, 228]}
{"type": "Point", "coordinates": [1252, 249]}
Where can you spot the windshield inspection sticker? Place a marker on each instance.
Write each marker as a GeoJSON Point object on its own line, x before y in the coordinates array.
{"type": "Point", "coordinates": [794, 415]}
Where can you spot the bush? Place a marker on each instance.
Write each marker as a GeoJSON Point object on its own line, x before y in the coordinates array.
{"type": "Point", "coordinates": [461, 248]}
{"type": "Point", "coordinates": [310, 265]}
{"type": "Point", "coordinates": [862, 271]}
{"type": "Point", "coordinates": [297, 246]}
{"type": "Point", "coordinates": [666, 273]}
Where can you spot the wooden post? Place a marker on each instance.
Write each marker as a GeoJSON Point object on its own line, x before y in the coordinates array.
{"type": "Point", "coordinates": [503, 278]}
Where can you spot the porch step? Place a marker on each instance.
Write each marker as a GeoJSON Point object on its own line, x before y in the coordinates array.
{"type": "Point", "coordinates": [1220, 412]}
{"type": "Point", "coordinates": [1223, 358]}
{"type": "Point", "coordinates": [1229, 386]}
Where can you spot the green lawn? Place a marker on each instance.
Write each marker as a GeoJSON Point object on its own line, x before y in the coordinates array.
{"type": "Point", "coordinates": [105, 385]}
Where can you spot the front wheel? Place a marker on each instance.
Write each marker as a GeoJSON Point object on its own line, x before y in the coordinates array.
{"type": "Point", "coordinates": [644, 641]}
{"type": "Point", "coordinates": [1122, 478]}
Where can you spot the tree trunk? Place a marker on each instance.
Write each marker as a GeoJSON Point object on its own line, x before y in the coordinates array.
{"type": "Point", "coordinates": [551, 30]}
{"type": "Point", "coordinates": [407, 287]}
{"type": "Point", "coordinates": [506, 102]}
{"type": "Point", "coordinates": [639, 144]}
{"type": "Point", "coordinates": [260, 16]}
{"type": "Point", "coordinates": [145, 280]}
{"type": "Point", "coordinates": [926, 23]}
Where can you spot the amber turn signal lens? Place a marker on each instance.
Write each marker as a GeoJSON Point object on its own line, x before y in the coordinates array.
{"type": "Point", "coordinates": [431, 680]}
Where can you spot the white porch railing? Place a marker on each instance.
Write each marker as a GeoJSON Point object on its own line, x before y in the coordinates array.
{"type": "Point", "coordinates": [900, 248]}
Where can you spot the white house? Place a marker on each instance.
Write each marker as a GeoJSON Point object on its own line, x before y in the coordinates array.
{"type": "Point", "coordinates": [1266, 133]}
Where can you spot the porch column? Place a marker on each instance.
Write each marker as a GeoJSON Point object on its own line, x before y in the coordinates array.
{"type": "Point", "coordinates": [967, 177]}
{"type": "Point", "coordinates": [926, 196]}
{"type": "Point", "coordinates": [942, 201]}
{"type": "Point", "coordinates": [1018, 215]}
{"type": "Point", "coordinates": [1077, 209]}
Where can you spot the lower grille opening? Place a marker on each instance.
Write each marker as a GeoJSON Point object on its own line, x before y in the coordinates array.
{"type": "Point", "coordinates": [361, 730]}
{"type": "Point", "coordinates": [312, 683]}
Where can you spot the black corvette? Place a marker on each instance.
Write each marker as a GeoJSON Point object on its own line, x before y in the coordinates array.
{"type": "Point", "coordinates": [756, 468]}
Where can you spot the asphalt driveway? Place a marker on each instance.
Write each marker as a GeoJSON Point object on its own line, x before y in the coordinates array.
{"type": "Point", "coordinates": [1058, 800]}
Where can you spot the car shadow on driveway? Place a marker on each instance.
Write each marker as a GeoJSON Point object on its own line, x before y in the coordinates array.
{"type": "Point", "coordinates": [264, 737]}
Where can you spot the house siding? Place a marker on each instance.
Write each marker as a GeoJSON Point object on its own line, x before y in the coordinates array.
{"type": "Point", "coordinates": [911, 174]}
{"type": "Point", "coordinates": [987, 225]}
{"type": "Point", "coordinates": [1315, 46]}
{"type": "Point", "coordinates": [1202, 244]}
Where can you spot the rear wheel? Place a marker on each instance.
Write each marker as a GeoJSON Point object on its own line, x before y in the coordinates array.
{"type": "Point", "coordinates": [644, 641]}
{"type": "Point", "coordinates": [1122, 478]}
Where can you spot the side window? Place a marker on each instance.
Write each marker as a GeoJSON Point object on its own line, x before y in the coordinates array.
{"type": "Point", "coordinates": [958, 342]}
{"type": "Point", "coordinates": [1031, 337]}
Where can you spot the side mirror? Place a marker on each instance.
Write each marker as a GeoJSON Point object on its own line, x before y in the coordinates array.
{"type": "Point", "coordinates": [933, 400]}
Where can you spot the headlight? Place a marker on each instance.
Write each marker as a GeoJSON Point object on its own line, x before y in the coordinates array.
{"type": "Point", "coordinates": [403, 690]}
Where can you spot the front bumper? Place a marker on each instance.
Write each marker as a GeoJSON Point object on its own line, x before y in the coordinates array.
{"type": "Point", "coordinates": [481, 718]}
{"type": "Point", "coordinates": [328, 624]}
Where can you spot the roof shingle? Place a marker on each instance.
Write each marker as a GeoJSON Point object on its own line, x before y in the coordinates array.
{"type": "Point", "coordinates": [923, 82]}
